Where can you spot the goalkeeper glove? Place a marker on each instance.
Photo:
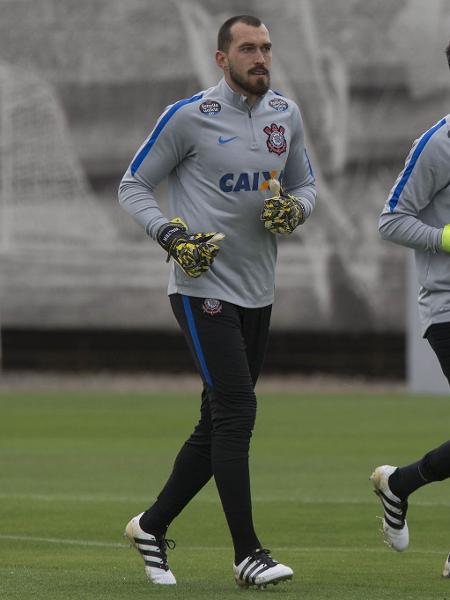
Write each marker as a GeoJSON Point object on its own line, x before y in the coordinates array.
{"type": "Point", "coordinates": [193, 252]}
{"type": "Point", "coordinates": [283, 212]}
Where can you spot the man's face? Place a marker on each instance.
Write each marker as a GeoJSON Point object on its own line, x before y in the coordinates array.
{"type": "Point", "coordinates": [247, 62]}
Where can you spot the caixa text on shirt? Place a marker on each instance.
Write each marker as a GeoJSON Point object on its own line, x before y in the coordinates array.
{"type": "Point", "coordinates": [248, 182]}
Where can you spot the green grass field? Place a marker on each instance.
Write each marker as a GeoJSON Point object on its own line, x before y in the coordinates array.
{"type": "Point", "coordinates": [75, 467]}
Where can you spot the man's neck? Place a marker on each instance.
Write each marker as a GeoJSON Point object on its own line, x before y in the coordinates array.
{"type": "Point", "coordinates": [250, 99]}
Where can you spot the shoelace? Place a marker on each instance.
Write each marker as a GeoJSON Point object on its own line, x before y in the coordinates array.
{"type": "Point", "coordinates": [262, 555]}
{"type": "Point", "coordinates": [165, 544]}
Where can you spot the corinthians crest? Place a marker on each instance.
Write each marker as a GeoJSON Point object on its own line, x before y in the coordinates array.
{"type": "Point", "coordinates": [211, 306]}
{"type": "Point", "coordinates": [276, 142]}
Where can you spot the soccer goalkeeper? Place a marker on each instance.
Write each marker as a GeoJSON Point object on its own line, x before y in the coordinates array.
{"type": "Point", "coordinates": [219, 149]}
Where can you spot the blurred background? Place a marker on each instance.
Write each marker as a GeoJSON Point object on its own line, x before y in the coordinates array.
{"type": "Point", "coordinates": [81, 85]}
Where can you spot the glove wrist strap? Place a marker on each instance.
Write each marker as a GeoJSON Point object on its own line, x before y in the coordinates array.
{"type": "Point", "coordinates": [167, 234]}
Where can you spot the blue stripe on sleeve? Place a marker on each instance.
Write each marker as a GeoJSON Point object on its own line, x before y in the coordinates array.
{"type": "Point", "coordinates": [162, 123]}
{"type": "Point", "coordinates": [393, 201]}
{"type": "Point", "coordinates": [311, 172]}
{"type": "Point", "coordinates": [195, 340]}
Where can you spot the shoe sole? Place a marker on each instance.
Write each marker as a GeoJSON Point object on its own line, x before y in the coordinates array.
{"type": "Point", "coordinates": [275, 581]}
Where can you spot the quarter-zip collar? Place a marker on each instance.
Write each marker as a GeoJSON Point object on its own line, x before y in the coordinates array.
{"type": "Point", "coordinates": [235, 98]}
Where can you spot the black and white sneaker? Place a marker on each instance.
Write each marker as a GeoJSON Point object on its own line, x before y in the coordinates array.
{"type": "Point", "coordinates": [153, 551]}
{"type": "Point", "coordinates": [395, 527]}
{"type": "Point", "coordinates": [259, 569]}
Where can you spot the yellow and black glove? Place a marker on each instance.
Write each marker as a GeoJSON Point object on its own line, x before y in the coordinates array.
{"type": "Point", "coordinates": [193, 252]}
{"type": "Point", "coordinates": [282, 212]}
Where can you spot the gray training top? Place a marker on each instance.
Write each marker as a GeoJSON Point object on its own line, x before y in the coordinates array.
{"type": "Point", "coordinates": [417, 209]}
{"type": "Point", "coordinates": [218, 155]}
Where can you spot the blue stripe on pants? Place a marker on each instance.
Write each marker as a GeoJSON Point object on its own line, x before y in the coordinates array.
{"type": "Point", "coordinates": [195, 340]}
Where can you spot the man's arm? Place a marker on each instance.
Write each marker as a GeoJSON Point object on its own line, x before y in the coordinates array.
{"type": "Point", "coordinates": [166, 147]}
{"type": "Point", "coordinates": [299, 179]}
{"type": "Point", "coordinates": [161, 152]}
{"type": "Point", "coordinates": [425, 173]}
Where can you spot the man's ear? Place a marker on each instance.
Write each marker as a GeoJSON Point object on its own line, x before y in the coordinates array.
{"type": "Point", "coordinates": [221, 60]}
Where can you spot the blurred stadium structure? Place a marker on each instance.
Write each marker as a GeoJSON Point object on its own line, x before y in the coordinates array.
{"type": "Point", "coordinates": [82, 85]}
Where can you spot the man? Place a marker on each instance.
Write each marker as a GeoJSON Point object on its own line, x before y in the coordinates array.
{"type": "Point", "coordinates": [417, 215]}
{"type": "Point", "coordinates": [219, 150]}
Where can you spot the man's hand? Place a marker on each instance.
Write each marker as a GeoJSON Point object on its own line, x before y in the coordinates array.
{"type": "Point", "coordinates": [282, 212]}
{"type": "Point", "coordinates": [193, 252]}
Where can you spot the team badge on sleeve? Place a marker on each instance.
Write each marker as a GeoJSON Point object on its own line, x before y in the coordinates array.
{"type": "Point", "coordinates": [211, 306]}
{"type": "Point", "coordinates": [210, 107]}
{"type": "Point", "coordinates": [276, 142]}
{"type": "Point", "coordinates": [278, 104]}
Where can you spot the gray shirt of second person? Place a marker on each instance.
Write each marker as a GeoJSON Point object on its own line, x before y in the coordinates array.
{"type": "Point", "coordinates": [415, 213]}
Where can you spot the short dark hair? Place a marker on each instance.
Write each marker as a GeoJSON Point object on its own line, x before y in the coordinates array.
{"type": "Point", "coordinates": [224, 37]}
{"type": "Point", "coordinates": [447, 53]}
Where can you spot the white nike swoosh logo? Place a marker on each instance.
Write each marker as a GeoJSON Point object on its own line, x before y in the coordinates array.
{"type": "Point", "coordinates": [223, 140]}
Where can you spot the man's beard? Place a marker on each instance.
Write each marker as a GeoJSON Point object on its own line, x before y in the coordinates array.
{"type": "Point", "coordinates": [259, 88]}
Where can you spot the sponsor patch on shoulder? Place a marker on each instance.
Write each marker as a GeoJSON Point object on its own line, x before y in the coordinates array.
{"type": "Point", "coordinates": [211, 306]}
{"type": "Point", "coordinates": [210, 107]}
{"type": "Point", "coordinates": [278, 104]}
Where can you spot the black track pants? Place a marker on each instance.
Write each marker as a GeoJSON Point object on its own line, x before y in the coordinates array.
{"type": "Point", "coordinates": [228, 345]}
{"type": "Point", "coordinates": [435, 465]}
{"type": "Point", "coordinates": [438, 336]}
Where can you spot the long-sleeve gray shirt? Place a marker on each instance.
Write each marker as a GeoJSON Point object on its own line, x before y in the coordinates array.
{"type": "Point", "coordinates": [218, 155]}
{"type": "Point", "coordinates": [415, 213]}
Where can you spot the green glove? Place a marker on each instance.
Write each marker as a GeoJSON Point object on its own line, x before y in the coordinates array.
{"type": "Point", "coordinates": [282, 212]}
{"type": "Point", "coordinates": [445, 240]}
{"type": "Point", "coordinates": [193, 252]}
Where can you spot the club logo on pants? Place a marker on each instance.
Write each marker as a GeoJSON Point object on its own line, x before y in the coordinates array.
{"type": "Point", "coordinates": [211, 306]}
